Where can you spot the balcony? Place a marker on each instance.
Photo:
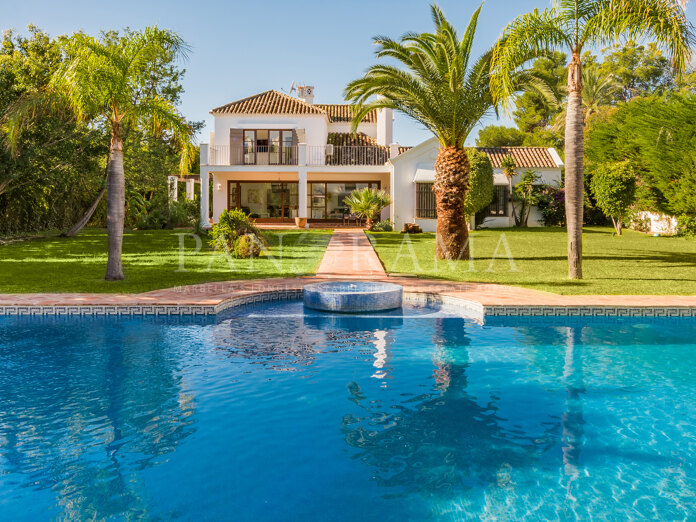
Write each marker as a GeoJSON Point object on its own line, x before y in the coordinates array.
{"type": "Point", "coordinates": [321, 155]}
{"type": "Point", "coordinates": [261, 155]}
{"type": "Point", "coordinates": [342, 155]}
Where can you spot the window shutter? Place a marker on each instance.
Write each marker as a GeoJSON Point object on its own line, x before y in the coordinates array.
{"type": "Point", "coordinates": [236, 146]}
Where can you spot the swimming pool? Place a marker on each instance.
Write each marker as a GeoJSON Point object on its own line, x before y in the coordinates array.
{"type": "Point", "coordinates": [276, 413]}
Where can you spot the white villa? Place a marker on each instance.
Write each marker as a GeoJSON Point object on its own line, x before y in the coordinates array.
{"type": "Point", "coordinates": [278, 157]}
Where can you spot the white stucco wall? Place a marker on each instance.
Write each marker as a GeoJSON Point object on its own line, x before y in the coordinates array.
{"type": "Point", "coordinates": [315, 126]}
{"type": "Point", "coordinates": [423, 157]}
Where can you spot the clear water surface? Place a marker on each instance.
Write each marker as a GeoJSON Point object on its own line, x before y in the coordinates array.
{"type": "Point", "coordinates": [274, 414]}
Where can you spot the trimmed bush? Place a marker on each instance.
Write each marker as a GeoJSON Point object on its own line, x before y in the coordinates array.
{"type": "Point", "coordinates": [481, 186]}
{"type": "Point", "coordinates": [231, 225]}
{"type": "Point", "coordinates": [246, 246]}
{"type": "Point", "coordinates": [686, 225]}
{"type": "Point", "coordinates": [614, 188]}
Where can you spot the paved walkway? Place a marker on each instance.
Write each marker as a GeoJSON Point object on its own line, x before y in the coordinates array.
{"type": "Point", "coordinates": [350, 256]}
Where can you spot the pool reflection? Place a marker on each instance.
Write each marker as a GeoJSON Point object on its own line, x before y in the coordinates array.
{"type": "Point", "coordinates": [84, 419]}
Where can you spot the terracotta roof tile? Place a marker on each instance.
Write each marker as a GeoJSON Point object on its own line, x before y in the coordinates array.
{"type": "Point", "coordinates": [274, 102]}
{"type": "Point", "coordinates": [403, 148]}
{"type": "Point", "coordinates": [269, 102]}
{"type": "Point", "coordinates": [343, 113]}
{"type": "Point", "coordinates": [525, 157]}
{"type": "Point", "coordinates": [346, 139]}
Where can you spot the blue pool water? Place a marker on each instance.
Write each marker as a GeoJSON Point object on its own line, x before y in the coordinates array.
{"type": "Point", "coordinates": [271, 414]}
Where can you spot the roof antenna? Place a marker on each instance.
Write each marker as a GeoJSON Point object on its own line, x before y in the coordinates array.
{"type": "Point", "coordinates": [292, 87]}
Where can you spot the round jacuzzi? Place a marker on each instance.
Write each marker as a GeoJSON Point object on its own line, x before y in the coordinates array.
{"type": "Point", "coordinates": [353, 296]}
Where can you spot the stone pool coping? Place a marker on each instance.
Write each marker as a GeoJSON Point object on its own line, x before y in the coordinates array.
{"type": "Point", "coordinates": [476, 300]}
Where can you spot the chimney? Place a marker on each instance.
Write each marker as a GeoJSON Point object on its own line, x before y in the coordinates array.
{"type": "Point", "coordinates": [306, 93]}
{"type": "Point", "coordinates": [393, 150]}
{"type": "Point", "coordinates": [385, 127]}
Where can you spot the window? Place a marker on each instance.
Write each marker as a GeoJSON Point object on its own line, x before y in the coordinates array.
{"type": "Point", "coordinates": [264, 200]}
{"type": "Point", "coordinates": [327, 200]}
{"type": "Point", "coordinates": [269, 147]}
{"type": "Point", "coordinates": [500, 201]}
{"type": "Point", "coordinates": [425, 201]}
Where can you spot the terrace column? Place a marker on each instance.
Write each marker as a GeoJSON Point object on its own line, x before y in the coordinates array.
{"type": "Point", "coordinates": [205, 196]}
{"type": "Point", "coordinates": [302, 180]}
{"type": "Point", "coordinates": [173, 188]}
{"type": "Point", "coordinates": [189, 189]}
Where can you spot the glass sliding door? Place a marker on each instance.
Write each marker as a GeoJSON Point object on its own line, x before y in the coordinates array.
{"type": "Point", "coordinates": [249, 147]}
{"type": "Point", "coordinates": [317, 200]}
{"type": "Point", "coordinates": [274, 201]}
{"type": "Point", "coordinates": [288, 149]}
{"type": "Point", "coordinates": [274, 147]}
{"type": "Point", "coordinates": [269, 147]}
{"type": "Point", "coordinates": [328, 200]}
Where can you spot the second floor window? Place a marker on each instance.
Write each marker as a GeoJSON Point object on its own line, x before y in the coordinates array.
{"type": "Point", "coordinates": [425, 201]}
{"type": "Point", "coordinates": [269, 147]}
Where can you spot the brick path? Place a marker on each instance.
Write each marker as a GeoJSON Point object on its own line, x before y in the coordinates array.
{"type": "Point", "coordinates": [350, 255]}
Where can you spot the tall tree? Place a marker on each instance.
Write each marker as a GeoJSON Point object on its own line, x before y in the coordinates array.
{"type": "Point", "coordinates": [640, 70]}
{"type": "Point", "coordinates": [107, 81]}
{"type": "Point", "coordinates": [572, 25]}
{"type": "Point", "coordinates": [599, 89]}
{"type": "Point", "coordinates": [48, 184]}
{"type": "Point", "coordinates": [441, 87]}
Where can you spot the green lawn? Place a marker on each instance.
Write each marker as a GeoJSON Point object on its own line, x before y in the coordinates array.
{"type": "Point", "coordinates": [633, 263]}
{"type": "Point", "coordinates": [151, 260]}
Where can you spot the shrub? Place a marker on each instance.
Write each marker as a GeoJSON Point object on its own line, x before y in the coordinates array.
{"type": "Point", "coordinates": [383, 226]}
{"type": "Point", "coordinates": [153, 220]}
{"type": "Point", "coordinates": [641, 223]}
{"type": "Point", "coordinates": [551, 204]}
{"type": "Point", "coordinates": [526, 193]}
{"type": "Point", "coordinates": [686, 225]}
{"type": "Point", "coordinates": [614, 188]}
{"type": "Point", "coordinates": [481, 186]}
{"type": "Point", "coordinates": [246, 246]}
{"type": "Point", "coordinates": [368, 203]}
{"type": "Point", "coordinates": [182, 213]}
{"type": "Point", "coordinates": [231, 225]}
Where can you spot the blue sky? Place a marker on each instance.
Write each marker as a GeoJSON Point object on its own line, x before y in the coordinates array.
{"type": "Point", "coordinates": [241, 48]}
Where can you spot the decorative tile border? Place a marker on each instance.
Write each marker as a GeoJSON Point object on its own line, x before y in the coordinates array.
{"type": "Point", "coordinates": [107, 310]}
{"type": "Point", "coordinates": [469, 308]}
{"type": "Point", "coordinates": [588, 311]}
{"type": "Point", "coordinates": [260, 297]}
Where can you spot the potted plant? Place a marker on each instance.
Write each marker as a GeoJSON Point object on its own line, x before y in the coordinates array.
{"type": "Point", "coordinates": [300, 222]}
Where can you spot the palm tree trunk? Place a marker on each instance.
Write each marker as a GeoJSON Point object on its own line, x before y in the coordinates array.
{"type": "Point", "coordinates": [86, 216]}
{"type": "Point", "coordinates": [82, 222]}
{"type": "Point", "coordinates": [574, 171]}
{"type": "Point", "coordinates": [115, 205]}
{"type": "Point", "coordinates": [450, 187]}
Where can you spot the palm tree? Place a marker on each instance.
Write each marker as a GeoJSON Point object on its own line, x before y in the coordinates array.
{"type": "Point", "coordinates": [571, 25]}
{"type": "Point", "coordinates": [509, 166]}
{"type": "Point", "coordinates": [368, 203]}
{"type": "Point", "coordinates": [448, 93]}
{"type": "Point", "coordinates": [105, 82]}
{"type": "Point", "coordinates": [598, 90]}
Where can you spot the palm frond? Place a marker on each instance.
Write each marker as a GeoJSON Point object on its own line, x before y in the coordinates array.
{"type": "Point", "coordinates": [435, 82]}
{"type": "Point", "coordinates": [663, 21]}
{"type": "Point", "coordinates": [528, 36]}
{"type": "Point", "coordinates": [26, 110]}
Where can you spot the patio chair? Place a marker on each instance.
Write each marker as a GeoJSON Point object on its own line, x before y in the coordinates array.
{"type": "Point", "coordinates": [347, 218]}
